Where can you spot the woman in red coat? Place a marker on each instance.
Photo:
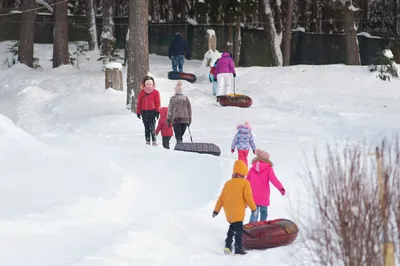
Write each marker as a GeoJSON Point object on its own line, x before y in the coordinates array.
{"type": "Point", "coordinates": [148, 108]}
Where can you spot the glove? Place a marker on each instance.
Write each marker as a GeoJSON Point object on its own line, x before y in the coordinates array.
{"type": "Point", "coordinates": [157, 115]}
{"type": "Point", "coordinates": [254, 152]}
{"type": "Point", "coordinates": [234, 75]}
{"type": "Point", "coordinates": [254, 213]}
{"type": "Point", "coordinates": [169, 122]}
{"type": "Point", "coordinates": [215, 79]}
{"type": "Point", "coordinates": [138, 116]}
{"type": "Point", "coordinates": [214, 214]}
{"type": "Point", "coordinates": [232, 150]}
{"type": "Point", "coordinates": [283, 192]}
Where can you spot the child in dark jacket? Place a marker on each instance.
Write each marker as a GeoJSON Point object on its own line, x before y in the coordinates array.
{"type": "Point", "coordinates": [235, 197]}
{"type": "Point", "coordinates": [243, 141]}
{"type": "Point", "coordinates": [166, 130]}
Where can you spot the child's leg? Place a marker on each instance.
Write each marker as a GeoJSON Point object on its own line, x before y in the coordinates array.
{"type": "Point", "coordinates": [165, 142]}
{"type": "Point", "coordinates": [215, 88]}
{"type": "Point", "coordinates": [254, 218]}
{"type": "Point", "coordinates": [263, 213]}
{"type": "Point", "coordinates": [229, 236]}
{"type": "Point", "coordinates": [238, 238]}
{"type": "Point", "coordinates": [242, 155]}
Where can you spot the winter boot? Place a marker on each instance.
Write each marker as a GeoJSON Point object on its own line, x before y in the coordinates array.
{"type": "Point", "coordinates": [240, 251]}
{"type": "Point", "coordinates": [154, 143]}
{"type": "Point", "coordinates": [227, 251]}
{"type": "Point", "coordinates": [147, 142]}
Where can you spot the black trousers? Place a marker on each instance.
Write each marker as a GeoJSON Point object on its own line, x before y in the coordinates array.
{"type": "Point", "coordinates": [179, 131]}
{"type": "Point", "coordinates": [165, 142]}
{"type": "Point", "coordinates": [235, 230]}
{"type": "Point", "coordinates": [149, 122]}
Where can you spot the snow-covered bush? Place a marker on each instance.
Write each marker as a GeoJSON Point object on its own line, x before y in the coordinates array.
{"type": "Point", "coordinates": [385, 65]}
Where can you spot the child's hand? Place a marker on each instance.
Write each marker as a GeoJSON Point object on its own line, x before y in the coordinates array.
{"type": "Point", "coordinates": [283, 192]}
{"type": "Point", "coordinates": [214, 214]}
{"type": "Point", "coordinates": [254, 213]}
{"type": "Point", "coordinates": [232, 150]}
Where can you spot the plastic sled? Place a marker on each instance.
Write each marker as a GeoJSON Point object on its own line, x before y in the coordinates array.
{"type": "Point", "coordinates": [173, 75]}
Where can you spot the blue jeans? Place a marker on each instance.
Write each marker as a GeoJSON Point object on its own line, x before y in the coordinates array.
{"type": "Point", "coordinates": [262, 212]}
{"type": "Point", "coordinates": [177, 62]}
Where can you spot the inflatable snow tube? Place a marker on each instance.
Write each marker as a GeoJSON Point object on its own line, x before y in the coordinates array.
{"type": "Point", "coordinates": [237, 100]}
{"type": "Point", "coordinates": [269, 234]}
{"type": "Point", "coordinates": [173, 75]}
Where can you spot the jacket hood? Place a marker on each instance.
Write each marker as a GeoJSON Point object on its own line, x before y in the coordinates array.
{"type": "Point", "coordinates": [243, 128]}
{"type": "Point", "coordinates": [260, 165]}
{"type": "Point", "coordinates": [163, 111]}
{"type": "Point", "coordinates": [178, 37]}
{"type": "Point", "coordinates": [225, 54]}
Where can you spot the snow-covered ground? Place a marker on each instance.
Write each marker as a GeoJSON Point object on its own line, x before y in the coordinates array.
{"type": "Point", "coordinates": [80, 188]}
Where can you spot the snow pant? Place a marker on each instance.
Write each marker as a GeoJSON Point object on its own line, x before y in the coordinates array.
{"type": "Point", "coordinates": [177, 62]}
{"type": "Point", "coordinates": [149, 121]}
{"type": "Point", "coordinates": [165, 142]}
{"type": "Point", "coordinates": [215, 87]}
{"type": "Point", "coordinates": [225, 81]}
{"type": "Point", "coordinates": [262, 213]}
{"type": "Point", "coordinates": [242, 155]}
{"type": "Point", "coordinates": [179, 131]}
{"type": "Point", "coordinates": [235, 230]}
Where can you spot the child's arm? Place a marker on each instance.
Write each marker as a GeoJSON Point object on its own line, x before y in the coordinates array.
{"type": "Point", "coordinates": [252, 144]}
{"type": "Point", "coordinates": [219, 203]}
{"type": "Point", "coordinates": [159, 126]}
{"type": "Point", "coordinates": [234, 142]}
{"type": "Point", "coordinates": [248, 197]}
{"type": "Point", "coordinates": [274, 180]}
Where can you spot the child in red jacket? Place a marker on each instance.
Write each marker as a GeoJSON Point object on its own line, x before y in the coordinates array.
{"type": "Point", "coordinates": [166, 130]}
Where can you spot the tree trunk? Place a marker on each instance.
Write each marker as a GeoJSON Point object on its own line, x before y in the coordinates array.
{"type": "Point", "coordinates": [107, 35]}
{"type": "Point", "coordinates": [352, 49]}
{"type": "Point", "coordinates": [91, 19]}
{"type": "Point", "coordinates": [288, 34]}
{"type": "Point", "coordinates": [270, 34]}
{"type": "Point", "coordinates": [230, 32]}
{"type": "Point", "coordinates": [138, 52]}
{"type": "Point", "coordinates": [238, 42]}
{"type": "Point", "coordinates": [27, 33]}
{"type": "Point", "coordinates": [60, 34]}
{"type": "Point", "coordinates": [113, 76]}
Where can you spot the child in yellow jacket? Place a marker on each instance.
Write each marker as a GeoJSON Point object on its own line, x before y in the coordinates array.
{"type": "Point", "coordinates": [234, 198]}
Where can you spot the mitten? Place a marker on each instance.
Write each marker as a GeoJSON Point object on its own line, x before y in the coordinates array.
{"type": "Point", "coordinates": [283, 192]}
{"type": "Point", "coordinates": [254, 213]}
{"type": "Point", "coordinates": [234, 75]}
{"type": "Point", "coordinates": [232, 150]}
{"type": "Point", "coordinates": [254, 152]}
{"type": "Point", "coordinates": [157, 115]}
{"type": "Point", "coordinates": [138, 116]}
{"type": "Point", "coordinates": [215, 79]}
{"type": "Point", "coordinates": [214, 214]}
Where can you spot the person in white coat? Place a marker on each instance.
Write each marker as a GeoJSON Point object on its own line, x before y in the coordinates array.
{"type": "Point", "coordinates": [224, 74]}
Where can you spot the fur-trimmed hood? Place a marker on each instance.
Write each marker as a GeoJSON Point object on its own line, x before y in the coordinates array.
{"type": "Point", "coordinates": [245, 128]}
{"type": "Point", "coordinates": [263, 160]}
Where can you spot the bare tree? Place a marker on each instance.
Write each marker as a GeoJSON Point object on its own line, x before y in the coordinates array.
{"type": "Point", "coordinates": [238, 41]}
{"type": "Point", "coordinates": [107, 38]}
{"type": "Point", "coordinates": [91, 19]}
{"type": "Point", "coordinates": [27, 34]}
{"type": "Point", "coordinates": [347, 214]}
{"type": "Point", "coordinates": [350, 32]}
{"type": "Point", "coordinates": [288, 34]}
{"type": "Point", "coordinates": [271, 34]}
{"type": "Point", "coordinates": [60, 34]}
{"type": "Point", "coordinates": [138, 50]}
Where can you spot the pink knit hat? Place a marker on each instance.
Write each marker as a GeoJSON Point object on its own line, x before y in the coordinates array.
{"type": "Point", "coordinates": [262, 154]}
{"type": "Point", "coordinates": [179, 87]}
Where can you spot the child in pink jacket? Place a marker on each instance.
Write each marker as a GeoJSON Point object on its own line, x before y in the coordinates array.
{"type": "Point", "coordinates": [259, 176]}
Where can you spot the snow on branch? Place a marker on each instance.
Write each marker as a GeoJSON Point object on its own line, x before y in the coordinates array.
{"type": "Point", "coordinates": [43, 3]}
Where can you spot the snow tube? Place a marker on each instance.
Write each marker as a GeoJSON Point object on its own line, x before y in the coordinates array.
{"type": "Point", "coordinates": [237, 100]}
{"type": "Point", "coordinates": [269, 234]}
{"type": "Point", "coordinates": [173, 75]}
